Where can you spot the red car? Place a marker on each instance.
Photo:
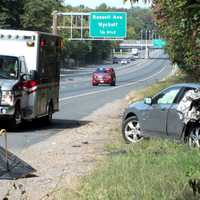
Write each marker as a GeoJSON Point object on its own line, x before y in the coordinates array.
{"type": "Point", "coordinates": [104, 75]}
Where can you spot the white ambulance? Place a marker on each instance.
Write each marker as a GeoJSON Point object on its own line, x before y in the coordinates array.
{"type": "Point", "coordinates": [29, 75]}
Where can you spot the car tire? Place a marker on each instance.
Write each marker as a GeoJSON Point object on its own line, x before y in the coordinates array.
{"type": "Point", "coordinates": [93, 84]}
{"type": "Point", "coordinates": [131, 130]}
{"type": "Point", "coordinates": [193, 137]}
{"type": "Point", "coordinates": [17, 118]}
{"type": "Point", "coordinates": [113, 83]}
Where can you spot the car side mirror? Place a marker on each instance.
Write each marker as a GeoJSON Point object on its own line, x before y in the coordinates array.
{"type": "Point", "coordinates": [148, 100]}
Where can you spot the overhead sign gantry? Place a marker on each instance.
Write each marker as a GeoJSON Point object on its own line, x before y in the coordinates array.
{"type": "Point", "coordinates": [91, 26]}
{"type": "Point", "coordinates": [108, 24]}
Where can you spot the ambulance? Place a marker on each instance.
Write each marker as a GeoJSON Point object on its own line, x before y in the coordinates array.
{"type": "Point", "coordinates": [29, 75]}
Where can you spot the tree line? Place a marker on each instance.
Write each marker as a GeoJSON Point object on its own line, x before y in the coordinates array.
{"type": "Point", "coordinates": [37, 15]}
{"type": "Point", "coordinates": [179, 23]}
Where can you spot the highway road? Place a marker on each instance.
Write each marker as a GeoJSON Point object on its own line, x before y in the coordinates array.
{"type": "Point", "coordinates": [78, 98]}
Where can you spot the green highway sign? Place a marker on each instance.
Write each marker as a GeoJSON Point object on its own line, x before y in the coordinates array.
{"type": "Point", "coordinates": [108, 24]}
{"type": "Point", "coordinates": [159, 43]}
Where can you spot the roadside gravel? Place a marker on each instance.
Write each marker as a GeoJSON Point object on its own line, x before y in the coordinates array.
{"type": "Point", "coordinates": [62, 159]}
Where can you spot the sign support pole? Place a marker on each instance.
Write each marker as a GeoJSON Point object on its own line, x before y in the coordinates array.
{"type": "Point", "coordinates": [55, 22]}
{"type": "Point", "coordinates": [146, 49]}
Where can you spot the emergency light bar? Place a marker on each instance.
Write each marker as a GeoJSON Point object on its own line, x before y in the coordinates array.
{"type": "Point", "coordinates": [18, 37]}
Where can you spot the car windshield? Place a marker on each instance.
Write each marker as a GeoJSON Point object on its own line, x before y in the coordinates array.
{"type": "Point", "coordinates": [9, 66]}
{"type": "Point", "coordinates": [100, 70]}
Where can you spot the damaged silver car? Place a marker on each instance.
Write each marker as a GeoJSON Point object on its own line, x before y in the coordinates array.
{"type": "Point", "coordinates": [173, 112]}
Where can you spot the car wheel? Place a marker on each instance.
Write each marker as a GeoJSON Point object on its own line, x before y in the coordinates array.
{"type": "Point", "coordinates": [94, 84]}
{"type": "Point", "coordinates": [193, 138]}
{"type": "Point", "coordinates": [113, 83]}
{"type": "Point", "coordinates": [131, 130]}
{"type": "Point", "coordinates": [17, 118]}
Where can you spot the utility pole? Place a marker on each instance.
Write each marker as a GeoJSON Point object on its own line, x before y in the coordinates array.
{"type": "Point", "coordinates": [55, 22]}
{"type": "Point", "coordinates": [146, 49]}
{"type": "Point", "coordinates": [141, 37]}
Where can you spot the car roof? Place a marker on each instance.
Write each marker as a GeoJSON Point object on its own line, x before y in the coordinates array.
{"type": "Point", "coordinates": [192, 85]}
{"type": "Point", "coordinates": [108, 68]}
{"type": "Point", "coordinates": [103, 68]}
{"type": "Point", "coordinates": [100, 68]}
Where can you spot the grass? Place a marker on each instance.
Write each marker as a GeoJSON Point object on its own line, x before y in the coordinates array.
{"type": "Point", "coordinates": [153, 169]}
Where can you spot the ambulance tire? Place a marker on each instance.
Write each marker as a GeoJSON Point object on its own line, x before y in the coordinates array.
{"type": "Point", "coordinates": [48, 118]}
{"type": "Point", "coordinates": [17, 118]}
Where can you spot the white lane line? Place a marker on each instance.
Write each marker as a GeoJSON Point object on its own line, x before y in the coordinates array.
{"type": "Point", "coordinates": [114, 88]}
{"type": "Point", "coordinates": [116, 68]}
{"type": "Point", "coordinates": [136, 69]}
{"type": "Point", "coordinates": [119, 72]}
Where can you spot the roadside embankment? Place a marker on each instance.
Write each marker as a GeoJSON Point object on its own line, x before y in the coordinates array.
{"type": "Point", "coordinates": [66, 161]}
{"type": "Point", "coordinates": [64, 158]}
{"type": "Point", "coordinates": [151, 169]}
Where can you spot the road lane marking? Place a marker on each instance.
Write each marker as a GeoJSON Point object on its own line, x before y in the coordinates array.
{"type": "Point", "coordinates": [117, 68]}
{"type": "Point", "coordinates": [114, 88]}
{"type": "Point", "coordinates": [120, 72]}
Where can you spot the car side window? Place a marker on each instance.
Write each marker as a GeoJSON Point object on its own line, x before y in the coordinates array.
{"type": "Point", "coordinates": [166, 97]}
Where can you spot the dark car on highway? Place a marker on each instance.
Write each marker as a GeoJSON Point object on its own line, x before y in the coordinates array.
{"type": "Point", "coordinates": [115, 60]}
{"type": "Point", "coordinates": [104, 75]}
{"type": "Point", "coordinates": [159, 116]}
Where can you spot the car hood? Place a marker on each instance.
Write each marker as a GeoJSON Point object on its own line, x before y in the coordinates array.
{"type": "Point", "coordinates": [139, 105]}
{"type": "Point", "coordinates": [6, 84]}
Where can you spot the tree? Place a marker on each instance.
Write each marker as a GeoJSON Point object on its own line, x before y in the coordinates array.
{"type": "Point", "coordinates": [10, 12]}
{"type": "Point", "coordinates": [79, 50]}
{"type": "Point", "coordinates": [37, 14]}
{"type": "Point", "coordinates": [27, 14]}
{"type": "Point", "coordinates": [131, 34]}
{"type": "Point", "coordinates": [179, 24]}
{"type": "Point", "coordinates": [135, 1]}
{"type": "Point", "coordinates": [140, 19]}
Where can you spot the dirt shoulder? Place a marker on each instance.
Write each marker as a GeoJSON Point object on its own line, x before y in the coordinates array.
{"type": "Point", "coordinates": [65, 157]}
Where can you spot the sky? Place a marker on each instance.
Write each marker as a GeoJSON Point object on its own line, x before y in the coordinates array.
{"type": "Point", "coordinates": [95, 3]}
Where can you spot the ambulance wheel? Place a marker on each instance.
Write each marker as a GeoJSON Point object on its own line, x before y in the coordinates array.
{"type": "Point", "coordinates": [17, 118]}
{"type": "Point", "coordinates": [49, 117]}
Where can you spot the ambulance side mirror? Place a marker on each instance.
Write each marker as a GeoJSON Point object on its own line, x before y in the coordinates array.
{"type": "Point", "coordinates": [24, 77]}
{"type": "Point", "coordinates": [34, 75]}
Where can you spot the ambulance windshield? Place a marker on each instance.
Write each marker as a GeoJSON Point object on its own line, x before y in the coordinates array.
{"type": "Point", "coordinates": [9, 67]}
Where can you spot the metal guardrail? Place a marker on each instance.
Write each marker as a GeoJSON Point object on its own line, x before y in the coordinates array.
{"type": "Point", "coordinates": [4, 133]}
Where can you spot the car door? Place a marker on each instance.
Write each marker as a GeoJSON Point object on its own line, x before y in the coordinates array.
{"type": "Point", "coordinates": [174, 122]}
{"type": "Point", "coordinates": [155, 115]}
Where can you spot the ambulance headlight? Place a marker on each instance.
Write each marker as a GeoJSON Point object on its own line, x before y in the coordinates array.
{"type": "Point", "coordinates": [7, 98]}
